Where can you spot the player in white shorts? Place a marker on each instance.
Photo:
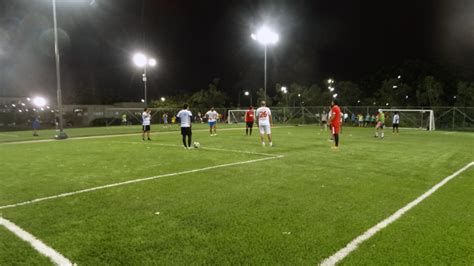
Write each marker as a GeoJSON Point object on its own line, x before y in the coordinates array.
{"type": "Point", "coordinates": [265, 123]}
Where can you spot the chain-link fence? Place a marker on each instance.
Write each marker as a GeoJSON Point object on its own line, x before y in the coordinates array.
{"type": "Point", "coordinates": [446, 118]}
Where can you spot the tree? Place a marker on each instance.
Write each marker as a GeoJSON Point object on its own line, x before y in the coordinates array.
{"type": "Point", "coordinates": [465, 94]}
{"type": "Point", "coordinates": [210, 97]}
{"type": "Point", "coordinates": [348, 92]}
{"type": "Point", "coordinates": [431, 92]}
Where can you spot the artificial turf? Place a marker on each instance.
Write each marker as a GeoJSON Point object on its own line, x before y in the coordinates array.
{"type": "Point", "coordinates": [297, 209]}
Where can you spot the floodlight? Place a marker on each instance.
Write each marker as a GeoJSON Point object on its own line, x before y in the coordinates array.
{"type": "Point", "coordinates": [39, 101]}
{"type": "Point", "coordinates": [246, 93]}
{"type": "Point", "coordinates": [28, 99]}
{"type": "Point", "coordinates": [394, 86]}
{"type": "Point", "coordinates": [299, 94]}
{"type": "Point", "coordinates": [20, 111]}
{"type": "Point", "coordinates": [163, 99]}
{"type": "Point", "coordinates": [387, 104]}
{"type": "Point", "coordinates": [334, 95]}
{"type": "Point", "coordinates": [454, 97]}
{"type": "Point", "coordinates": [330, 81]}
{"type": "Point", "coordinates": [283, 88]}
{"type": "Point", "coordinates": [406, 97]}
{"type": "Point", "coordinates": [142, 100]}
{"type": "Point", "coordinates": [358, 101]}
{"type": "Point", "coordinates": [13, 105]}
{"type": "Point", "coordinates": [265, 36]}
{"type": "Point", "coordinates": [139, 59]}
{"type": "Point", "coordinates": [152, 62]}
{"type": "Point", "coordinates": [23, 104]}
{"type": "Point", "coordinates": [399, 77]}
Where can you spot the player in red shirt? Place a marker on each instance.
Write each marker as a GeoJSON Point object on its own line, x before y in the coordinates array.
{"type": "Point", "coordinates": [249, 119]}
{"type": "Point", "coordinates": [335, 122]}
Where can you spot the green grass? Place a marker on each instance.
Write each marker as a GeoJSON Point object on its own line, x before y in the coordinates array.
{"type": "Point", "coordinates": [298, 209]}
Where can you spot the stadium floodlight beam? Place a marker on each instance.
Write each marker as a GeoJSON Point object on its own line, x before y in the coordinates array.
{"type": "Point", "coordinates": [39, 101]}
{"type": "Point", "coordinates": [141, 60]}
{"type": "Point", "coordinates": [265, 36]}
{"type": "Point", "coordinates": [394, 86]}
{"type": "Point", "coordinates": [61, 134]}
{"type": "Point", "coordinates": [163, 99]}
{"type": "Point", "coordinates": [334, 95]}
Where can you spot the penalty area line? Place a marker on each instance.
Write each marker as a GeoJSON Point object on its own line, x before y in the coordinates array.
{"type": "Point", "coordinates": [135, 181]}
{"type": "Point", "coordinates": [45, 250]}
{"type": "Point", "coordinates": [354, 244]}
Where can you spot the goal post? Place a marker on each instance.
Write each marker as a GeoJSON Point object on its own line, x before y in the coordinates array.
{"type": "Point", "coordinates": [414, 118]}
{"type": "Point", "coordinates": [237, 116]}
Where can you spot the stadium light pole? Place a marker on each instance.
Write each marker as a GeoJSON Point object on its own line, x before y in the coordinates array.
{"type": "Point", "coordinates": [61, 134]}
{"type": "Point", "coordinates": [141, 60]}
{"type": "Point", "coordinates": [265, 36]}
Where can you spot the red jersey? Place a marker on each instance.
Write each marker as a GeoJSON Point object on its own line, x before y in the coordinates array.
{"type": "Point", "coordinates": [249, 116]}
{"type": "Point", "coordinates": [336, 116]}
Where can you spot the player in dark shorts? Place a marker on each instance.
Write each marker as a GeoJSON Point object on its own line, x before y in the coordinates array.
{"type": "Point", "coordinates": [249, 120]}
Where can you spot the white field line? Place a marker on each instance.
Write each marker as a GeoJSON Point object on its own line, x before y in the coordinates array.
{"type": "Point", "coordinates": [135, 181]}
{"type": "Point", "coordinates": [56, 257]}
{"type": "Point", "coordinates": [201, 148]}
{"type": "Point", "coordinates": [354, 244]}
{"type": "Point", "coordinates": [9, 135]}
{"type": "Point", "coordinates": [119, 135]}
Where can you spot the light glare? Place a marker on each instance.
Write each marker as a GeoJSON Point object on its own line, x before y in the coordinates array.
{"type": "Point", "coordinates": [152, 62]}
{"type": "Point", "coordinates": [139, 59]}
{"type": "Point", "coordinates": [39, 101]}
{"type": "Point", "coordinates": [265, 36]}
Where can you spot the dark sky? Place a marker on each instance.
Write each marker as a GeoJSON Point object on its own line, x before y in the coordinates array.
{"type": "Point", "coordinates": [197, 41]}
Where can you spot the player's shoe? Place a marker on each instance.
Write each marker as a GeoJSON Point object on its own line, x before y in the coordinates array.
{"type": "Point", "coordinates": [149, 139]}
{"type": "Point", "coordinates": [263, 144]}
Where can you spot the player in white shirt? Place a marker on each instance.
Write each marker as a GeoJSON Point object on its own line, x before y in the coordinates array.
{"type": "Point", "coordinates": [146, 121]}
{"type": "Point", "coordinates": [185, 119]}
{"type": "Point", "coordinates": [212, 121]}
{"type": "Point", "coordinates": [265, 123]}
{"type": "Point", "coordinates": [395, 122]}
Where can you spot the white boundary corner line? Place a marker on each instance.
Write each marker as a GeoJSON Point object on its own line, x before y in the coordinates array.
{"type": "Point", "coordinates": [120, 135]}
{"type": "Point", "coordinates": [135, 181]}
{"type": "Point", "coordinates": [56, 257]}
{"type": "Point", "coordinates": [354, 244]}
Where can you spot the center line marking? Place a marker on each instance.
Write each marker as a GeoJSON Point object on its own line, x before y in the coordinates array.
{"type": "Point", "coordinates": [354, 244]}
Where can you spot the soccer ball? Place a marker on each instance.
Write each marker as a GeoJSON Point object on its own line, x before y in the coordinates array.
{"type": "Point", "coordinates": [196, 145]}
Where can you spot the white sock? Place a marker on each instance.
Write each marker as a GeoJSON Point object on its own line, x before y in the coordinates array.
{"type": "Point", "coordinates": [263, 144]}
{"type": "Point", "coordinates": [376, 134]}
{"type": "Point", "coordinates": [382, 134]}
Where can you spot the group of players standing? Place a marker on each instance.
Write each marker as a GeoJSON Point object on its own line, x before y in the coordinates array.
{"type": "Point", "coordinates": [264, 123]}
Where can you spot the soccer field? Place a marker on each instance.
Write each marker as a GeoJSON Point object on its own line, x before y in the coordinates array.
{"type": "Point", "coordinates": [232, 201]}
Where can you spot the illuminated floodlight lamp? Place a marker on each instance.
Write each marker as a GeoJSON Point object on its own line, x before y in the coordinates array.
{"type": "Point", "coordinates": [299, 94]}
{"type": "Point", "coordinates": [246, 93]}
{"type": "Point", "coordinates": [454, 97]}
{"type": "Point", "coordinates": [399, 77]}
{"type": "Point", "coordinates": [28, 99]}
{"type": "Point", "coordinates": [330, 81]}
{"type": "Point", "coordinates": [394, 86]}
{"type": "Point", "coordinates": [142, 100]}
{"type": "Point", "coordinates": [23, 104]}
{"type": "Point", "coordinates": [265, 36]}
{"type": "Point", "coordinates": [39, 101]}
{"type": "Point", "coordinates": [284, 90]}
{"type": "Point", "coordinates": [331, 89]}
{"type": "Point", "coordinates": [406, 97]}
{"type": "Point", "coordinates": [152, 62]}
{"type": "Point", "coordinates": [13, 105]}
{"type": "Point", "coordinates": [358, 101]}
{"type": "Point", "coordinates": [387, 104]}
{"type": "Point", "coordinates": [163, 99]}
{"type": "Point", "coordinates": [334, 95]}
{"type": "Point", "coordinates": [139, 59]}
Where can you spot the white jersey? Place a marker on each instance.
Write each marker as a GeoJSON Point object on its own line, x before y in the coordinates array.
{"type": "Point", "coordinates": [146, 117]}
{"type": "Point", "coordinates": [185, 118]}
{"type": "Point", "coordinates": [211, 116]}
{"type": "Point", "coordinates": [396, 119]}
{"type": "Point", "coordinates": [263, 114]}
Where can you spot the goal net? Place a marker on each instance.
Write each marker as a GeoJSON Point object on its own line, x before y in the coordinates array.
{"type": "Point", "coordinates": [412, 118]}
{"type": "Point", "coordinates": [237, 116]}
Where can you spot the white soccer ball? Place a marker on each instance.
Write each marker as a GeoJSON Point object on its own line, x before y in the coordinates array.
{"type": "Point", "coordinates": [196, 145]}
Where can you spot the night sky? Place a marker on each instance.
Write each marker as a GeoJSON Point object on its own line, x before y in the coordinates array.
{"type": "Point", "coordinates": [197, 41]}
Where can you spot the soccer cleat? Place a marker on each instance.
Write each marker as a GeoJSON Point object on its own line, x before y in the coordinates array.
{"type": "Point", "coordinates": [149, 139]}
{"type": "Point", "coordinates": [263, 144]}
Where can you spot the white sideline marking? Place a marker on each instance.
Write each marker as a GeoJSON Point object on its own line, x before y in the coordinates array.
{"type": "Point", "coordinates": [118, 135]}
{"type": "Point", "coordinates": [9, 135]}
{"type": "Point", "coordinates": [37, 244]}
{"type": "Point", "coordinates": [200, 148]}
{"type": "Point", "coordinates": [354, 244]}
{"type": "Point", "coordinates": [134, 181]}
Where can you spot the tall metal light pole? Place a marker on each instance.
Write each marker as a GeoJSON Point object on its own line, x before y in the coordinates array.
{"type": "Point", "coordinates": [61, 134]}
{"type": "Point", "coordinates": [142, 60]}
{"type": "Point", "coordinates": [265, 36]}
